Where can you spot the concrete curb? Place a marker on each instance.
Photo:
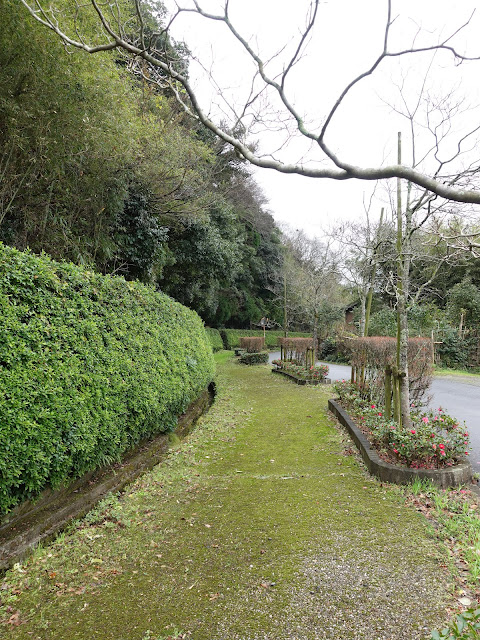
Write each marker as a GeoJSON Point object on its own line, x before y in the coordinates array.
{"type": "Point", "coordinates": [302, 382]}
{"type": "Point", "coordinates": [461, 474]}
{"type": "Point", "coordinates": [41, 520]}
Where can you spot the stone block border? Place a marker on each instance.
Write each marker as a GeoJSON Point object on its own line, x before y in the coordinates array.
{"type": "Point", "coordinates": [41, 520]}
{"type": "Point", "coordinates": [300, 381]}
{"type": "Point", "coordinates": [452, 477]}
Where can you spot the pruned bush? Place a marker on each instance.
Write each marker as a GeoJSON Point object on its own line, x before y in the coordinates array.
{"type": "Point", "coordinates": [377, 354]}
{"type": "Point", "coordinates": [254, 358]}
{"type": "Point", "coordinates": [231, 337]}
{"type": "Point", "coordinates": [215, 338]}
{"type": "Point", "coordinates": [297, 350]}
{"type": "Point", "coordinates": [89, 366]}
{"type": "Point", "coordinates": [252, 345]}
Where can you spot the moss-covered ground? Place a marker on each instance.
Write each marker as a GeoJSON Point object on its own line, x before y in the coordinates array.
{"type": "Point", "coordinates": [256, 526]}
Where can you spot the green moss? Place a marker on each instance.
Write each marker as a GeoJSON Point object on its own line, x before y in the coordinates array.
{"type": "Point", "coordinates": [225, 539]}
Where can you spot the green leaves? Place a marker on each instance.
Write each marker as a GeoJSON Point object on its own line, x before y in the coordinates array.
{"type": "Point", "coordinates": [89, 365]}
{"type": "Point", "coordinates": [466, 626]}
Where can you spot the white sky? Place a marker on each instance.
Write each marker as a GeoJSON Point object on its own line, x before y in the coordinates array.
{"type": "Point", "coordinates": [347, 38]}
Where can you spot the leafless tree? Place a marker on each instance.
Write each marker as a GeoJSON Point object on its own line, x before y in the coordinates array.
{"type": "Point", "coordinates": [126, 30]}
{"type": "Point", "coordinates": [313, 281]}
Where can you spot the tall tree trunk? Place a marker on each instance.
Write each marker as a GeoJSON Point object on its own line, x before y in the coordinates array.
{"type": "Point", "coordinates": [403, 275]}
{"type": "Point", "coordinates": [363, 313]}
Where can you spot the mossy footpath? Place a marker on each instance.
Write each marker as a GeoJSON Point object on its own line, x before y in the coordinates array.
{"type": "Point", "coordinates": [257, 526]}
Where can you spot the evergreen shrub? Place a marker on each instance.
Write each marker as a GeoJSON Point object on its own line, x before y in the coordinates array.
{"type": "Point", "coordinates": [215, 338]}
{"type": "Point", "coordinates": [89, 366]}
{"type": "Point", "coordinates": [254, 358]}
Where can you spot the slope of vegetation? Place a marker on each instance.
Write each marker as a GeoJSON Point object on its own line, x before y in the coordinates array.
{"type": "Point", "coordinates": [101, 169]}
{"type": "Point", "coordinates": [89, 365]}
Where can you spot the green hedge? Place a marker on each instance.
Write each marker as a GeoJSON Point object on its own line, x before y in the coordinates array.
{"type": "Point", "coordinates": [260, 357]}
{"type": "Point", "coordinates": [231, 337]}
{"type": "Point", "coordinates": [215, 338]}
{"type": "Point", "coordinates": [89, 365]}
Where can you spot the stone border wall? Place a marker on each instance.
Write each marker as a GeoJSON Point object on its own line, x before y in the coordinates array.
{"type": "Point", "coordinates": [39, 521]}
{"type": "Point", "coordinates": [443, 478]}
{"type": "Point", "coordinates": [300, 381]}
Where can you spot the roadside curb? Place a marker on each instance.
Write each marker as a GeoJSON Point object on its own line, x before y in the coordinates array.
{"type": "Point", "coordinates": [461, 474]}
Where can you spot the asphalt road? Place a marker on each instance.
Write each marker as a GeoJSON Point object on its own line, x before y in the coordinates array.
{"type": "Point", "coordinates": [459, 396]}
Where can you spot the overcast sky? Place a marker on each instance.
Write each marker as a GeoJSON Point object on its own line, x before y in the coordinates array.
{"type": "Point", "coordinates": [347, 38]}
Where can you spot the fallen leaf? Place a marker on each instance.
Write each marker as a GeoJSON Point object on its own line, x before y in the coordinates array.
{"type": "Point", "coordinates": [14, 620]}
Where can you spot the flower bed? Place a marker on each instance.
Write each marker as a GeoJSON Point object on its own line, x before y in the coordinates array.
{"type": "Point", "coordinates": [436, 440]}
{"type": "Point", "coordinates": [303, 375]}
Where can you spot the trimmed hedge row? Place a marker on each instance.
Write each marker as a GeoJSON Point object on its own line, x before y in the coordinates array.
{"type": "Point", "coordinates": [260, 357]}
{"type": "Point", "coordinates": [215, 338]}
{"type": "Point", "coordinates": [89, 366]}
{"type": "Point", "coordinates": [231, 337]}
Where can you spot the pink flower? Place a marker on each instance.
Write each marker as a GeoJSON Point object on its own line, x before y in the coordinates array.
{"type": "Point", "coordinates": [396, 450]}
{"type": "Point", "coordinates": [434, 446]}
{"type": "Point", "coordinates": [442, 453]}
{"type": "Point", "coordinates": [466, 453]}
{"type": "Point", "coordinates": [373, 406]}
{"type": "Point", "coordinates": [380, 414]}
{"type": "Point", "coordinates": [413, 431]}
{"type": "Point", "coordinates": [425, 419]}
{"type": "Point", "coordinates": [432, 435]}
{"type": "Point", "coordinates": [441, 446]}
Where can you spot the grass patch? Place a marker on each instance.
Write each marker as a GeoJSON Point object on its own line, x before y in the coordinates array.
{"type": "Point", "coordinates": [460, 373]}
{"type": "Point", "coordinates": [258, 525]}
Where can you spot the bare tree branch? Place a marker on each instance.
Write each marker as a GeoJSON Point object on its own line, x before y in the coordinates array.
{"type": "Point", "coordinates": [184, 92]}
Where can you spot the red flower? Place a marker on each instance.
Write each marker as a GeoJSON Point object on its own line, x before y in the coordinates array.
{"type": "Point", "coordinates": [413, 431]}
{"type": "Point", "coordinates": [441, 446]}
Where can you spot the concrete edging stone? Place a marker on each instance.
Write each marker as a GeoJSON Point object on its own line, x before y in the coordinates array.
{"type": "Point", "coordinates": [300, 381]}
{"type": "Point", "coordinates": [461, 474]}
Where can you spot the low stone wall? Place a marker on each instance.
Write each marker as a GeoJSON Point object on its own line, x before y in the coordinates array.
{"type": "Point", "coordinates": [443, 478]}
{"type": "Point", "coordinates": [39, 521]}
{"type": "Point", "coordinates": [302, 382]}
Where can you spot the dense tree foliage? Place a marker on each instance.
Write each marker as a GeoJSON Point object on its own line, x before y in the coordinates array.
{"type": "Point", "coordinates": [99, 168]}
